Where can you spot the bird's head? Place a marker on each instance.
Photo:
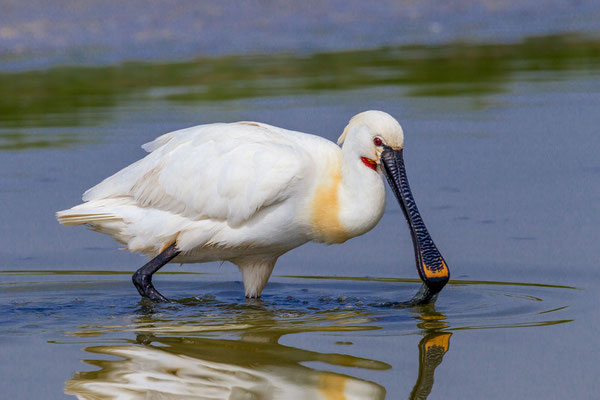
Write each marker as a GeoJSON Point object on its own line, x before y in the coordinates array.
{"type": "Point", "coordinates": [369, 133]}
{"type": "Point", "coordinates": [377, 138]}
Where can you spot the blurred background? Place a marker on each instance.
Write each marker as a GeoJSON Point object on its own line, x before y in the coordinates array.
{"type": "Point", "coordinates": [500, 105]}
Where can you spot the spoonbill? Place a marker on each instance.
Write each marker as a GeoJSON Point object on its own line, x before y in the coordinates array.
{"type": "Point", "coordinates": [248, 192]}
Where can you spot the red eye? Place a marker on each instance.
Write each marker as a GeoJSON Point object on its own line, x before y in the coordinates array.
{"type": "Point", "coordinates": [377, 141]}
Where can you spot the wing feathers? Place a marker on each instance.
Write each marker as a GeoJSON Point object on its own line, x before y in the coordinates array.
{"type": "Point", "coordinates": [220, 171]}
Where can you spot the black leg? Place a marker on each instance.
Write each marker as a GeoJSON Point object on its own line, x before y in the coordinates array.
{"type": "Point", "coordinates": [142, 279]}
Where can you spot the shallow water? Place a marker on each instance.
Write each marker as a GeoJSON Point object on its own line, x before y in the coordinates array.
{"type": "Point", "coordinates": [311, 337]}
{"type": "Point", "coordinates": [499, 104]}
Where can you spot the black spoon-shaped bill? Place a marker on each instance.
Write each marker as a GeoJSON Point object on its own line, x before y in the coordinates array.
{"type": "Point", "coordinates": [431, 266]}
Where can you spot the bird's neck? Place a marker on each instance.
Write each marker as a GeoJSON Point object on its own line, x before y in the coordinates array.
{"type": "Point", "coordinates": [361, 194]}
{"type": "Point", "coordinates": [348, 201]}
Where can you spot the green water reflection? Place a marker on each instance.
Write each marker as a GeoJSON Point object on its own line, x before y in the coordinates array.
{"type": "Point", "coordinates": [44, 108]}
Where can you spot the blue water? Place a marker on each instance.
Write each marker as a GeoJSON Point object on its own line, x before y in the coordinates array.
{"type": "Point", "coordinates": [311, 338]}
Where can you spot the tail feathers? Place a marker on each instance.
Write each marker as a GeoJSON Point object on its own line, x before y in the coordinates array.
{"type": "Point", "coordinates": [78, 217]}
{"type": "Point", "coordinates": [140, 229]}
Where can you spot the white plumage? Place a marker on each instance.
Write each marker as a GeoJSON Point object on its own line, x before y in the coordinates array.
{"type": "Point", "coordinates": [243, 192]}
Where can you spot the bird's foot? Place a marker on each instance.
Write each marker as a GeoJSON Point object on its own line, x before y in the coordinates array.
{"type": "Point", "coordinates": [154, 295]}
{"type": "Point", "coordinates": [143, 284]}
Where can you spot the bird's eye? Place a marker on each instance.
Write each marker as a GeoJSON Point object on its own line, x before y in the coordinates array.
{"type": "Point", "coordinates": [377, 141]}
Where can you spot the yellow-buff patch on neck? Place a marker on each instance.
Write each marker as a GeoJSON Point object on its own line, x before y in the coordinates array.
{"type": "Point", "coordinates": [325, 210]}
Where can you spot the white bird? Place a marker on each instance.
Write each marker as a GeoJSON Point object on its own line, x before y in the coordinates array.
{"type": "Point", "coordinates": [248, 192]}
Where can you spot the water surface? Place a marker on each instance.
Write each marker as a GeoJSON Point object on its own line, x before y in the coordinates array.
{"type": "Point", "coordinates": [311, 337]}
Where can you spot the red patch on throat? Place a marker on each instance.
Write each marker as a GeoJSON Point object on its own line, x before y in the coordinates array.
{"type": "Point", "coordinates": [369, 163]}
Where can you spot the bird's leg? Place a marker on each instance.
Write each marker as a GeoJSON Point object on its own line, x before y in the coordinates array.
{"type": "Point", "coordinates": [256, 273]}
{"type": "Point", "coordinates": [142, 279]}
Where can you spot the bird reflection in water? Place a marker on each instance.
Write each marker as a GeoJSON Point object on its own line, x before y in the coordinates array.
{"type": "Point", "coordinates": [251, 364]}
{"type": "Point", "coordinates": [432, 348]}
{"type": "Point", "coordinates": [171, 361]}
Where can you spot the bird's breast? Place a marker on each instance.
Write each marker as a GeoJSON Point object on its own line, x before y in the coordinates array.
{"type": "Point", "coordinates": [325, 211]}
